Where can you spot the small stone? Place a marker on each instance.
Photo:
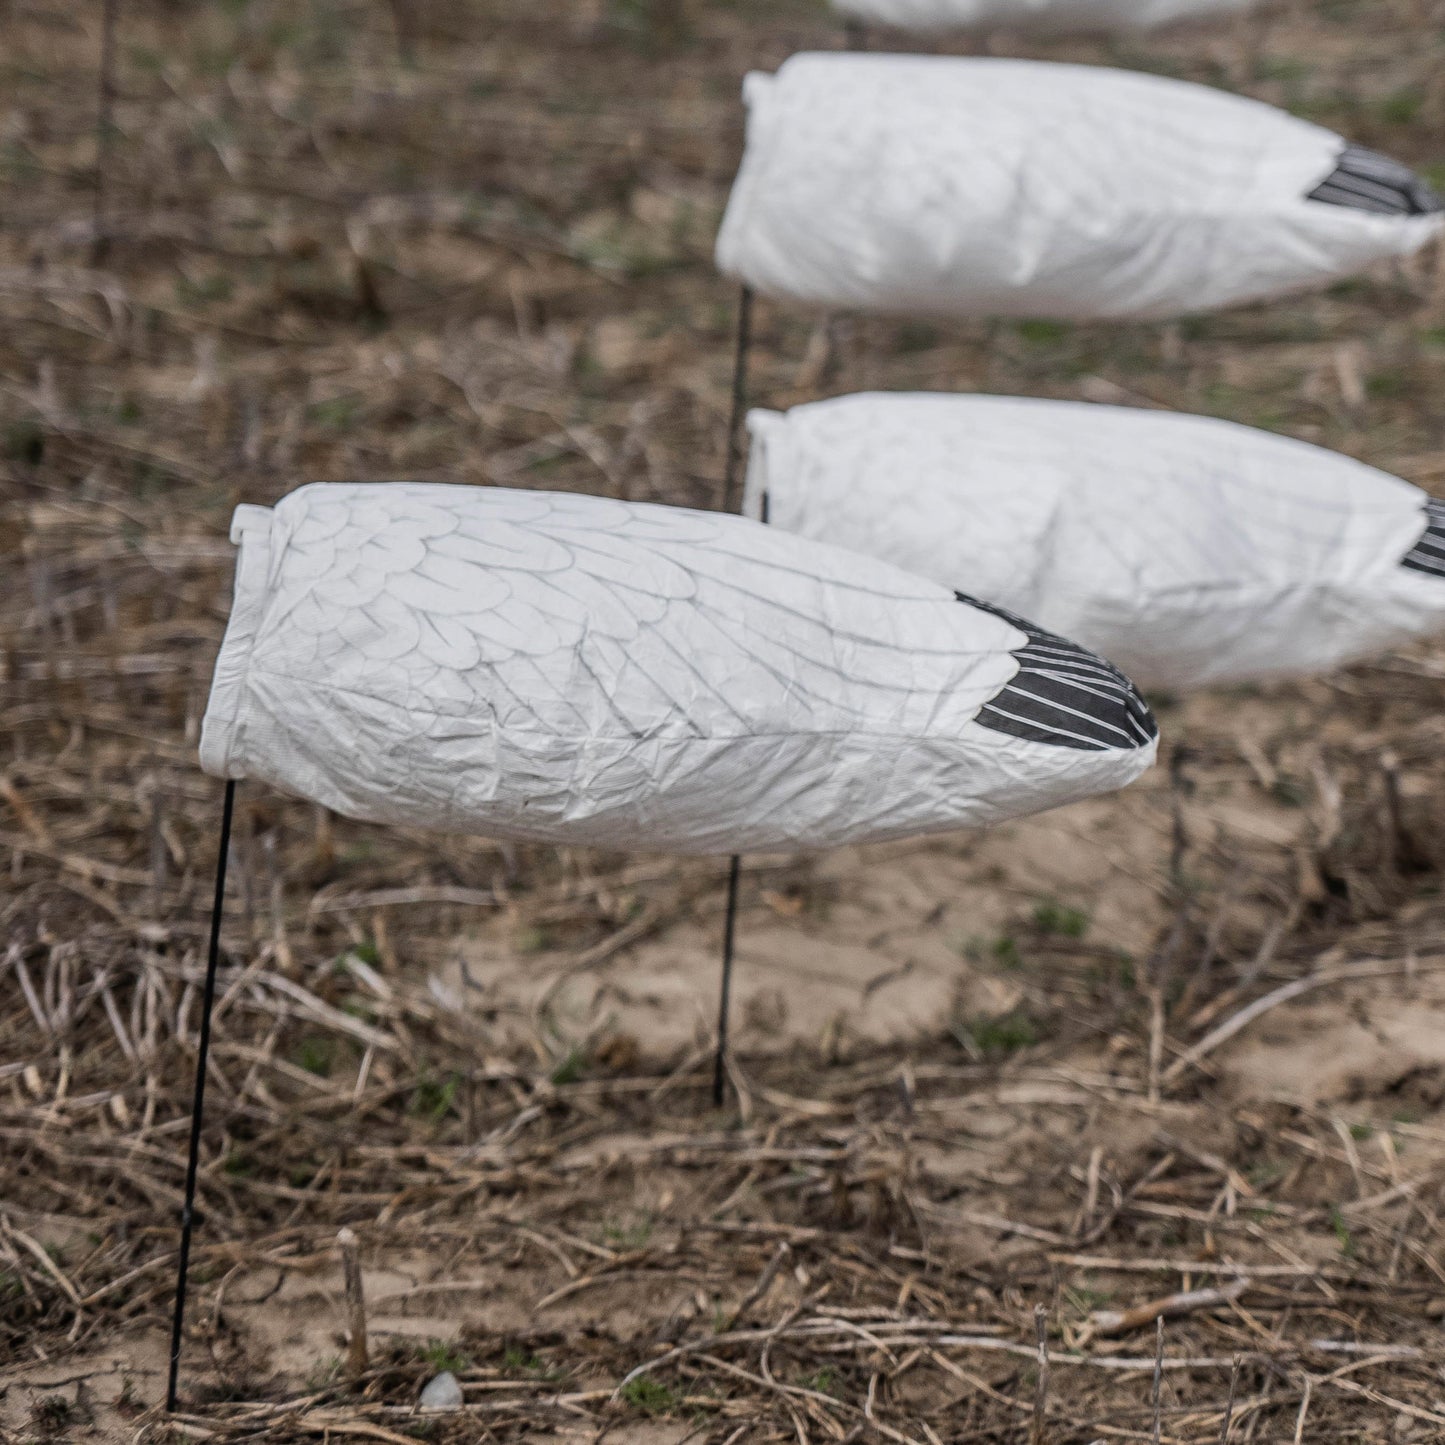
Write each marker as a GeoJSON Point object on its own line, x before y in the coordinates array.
{"type": "Point", "coordinates": [442, 1393]}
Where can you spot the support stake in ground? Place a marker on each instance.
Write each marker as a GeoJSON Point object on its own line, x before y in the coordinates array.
{"type": "Point", "coordinates": [198, 1100]}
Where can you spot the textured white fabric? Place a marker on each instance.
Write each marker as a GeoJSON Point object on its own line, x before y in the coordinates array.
{"type": "Point", "coordinates": [581, 670]}
{"type": "Point", "coordinates": [1186, 550]}
{"type": "Point", "coordinates": [1036, 17]}
{"type": "Point", "coordinates": [964, 187]}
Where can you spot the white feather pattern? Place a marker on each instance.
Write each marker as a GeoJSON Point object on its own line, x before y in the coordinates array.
{"type": "Point", "coordinates": [960, 186]}
{"type": "Point", "coordinates": [581, 670]}
{"type": "Point", "coordinates": [1187, 550]}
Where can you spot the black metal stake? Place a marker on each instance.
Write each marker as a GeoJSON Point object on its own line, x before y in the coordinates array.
{"type": "Point", "coordinates": [731, 466]}
{"type": "Point", "coordinates": [104, 125]}
{"type": "Point", "coordinates": [203, 1048]}
{"type": "Point", "coordinates": [719, 1070]}
{"type": "Point", "coordinates": [730, 479]}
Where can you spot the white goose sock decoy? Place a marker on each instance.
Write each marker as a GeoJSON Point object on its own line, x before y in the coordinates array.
{"type": "Point", "coordinates": [585, 671]}
{"type": "Point", "coordinates": [1189, 551]}
{"type": "Point", "coordinates": [1036, 17]}
{"type": "Point", "coordinates": [963, 187]}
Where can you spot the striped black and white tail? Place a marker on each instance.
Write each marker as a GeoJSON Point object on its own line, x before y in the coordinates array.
{"type": "Point", "coordinates": [1428, 554]}
{"type": "Point", "coordinates": [1064, 695]}
{"type": "Point", "coordinates": [1367, 181]}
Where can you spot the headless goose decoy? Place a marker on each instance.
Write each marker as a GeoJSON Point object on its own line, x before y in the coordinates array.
{"type": "Point", "coordinates": [1036, 17]}
{"type": "Point", "coordinates": [950, 186]}
{"type": "Point", "coordinates": [584, 671]}
{"type": "Point", "coordinates": [579, 670]}
{"type": "Point", "coordinates": [1188, 551]}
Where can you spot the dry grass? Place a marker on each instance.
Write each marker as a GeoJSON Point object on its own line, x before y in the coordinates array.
{"type": "Point", "coordinates": [471, 241]}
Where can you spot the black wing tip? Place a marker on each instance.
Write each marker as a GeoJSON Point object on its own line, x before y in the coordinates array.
{"type": "Point", "coordinates": [1064, 695]}
{"type": "Point", "coordinates": [1365, 180]}
{"type": "Point", "coordinates": [1428, 554]}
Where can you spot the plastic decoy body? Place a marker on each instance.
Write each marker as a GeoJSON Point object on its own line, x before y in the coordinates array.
{"type": "Point", "coordinates": [952, 186]}
{"type": "Point", "coordinates": [580, 670]}
{"type": "Point", "coordinates": [1037, 17]}
{"type": "Point", "coordinates": [1187, 550]}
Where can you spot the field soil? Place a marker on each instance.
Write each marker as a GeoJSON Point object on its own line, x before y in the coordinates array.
{"type": "Point", "coordinates": [998, 1104]}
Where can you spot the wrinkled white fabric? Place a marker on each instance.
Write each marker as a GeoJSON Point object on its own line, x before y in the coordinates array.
{"type": "Point", "coordinates": [1186, 550]}
{"type": "Point", "coordinates": [580, 670]}
{"type": "Point", "coordinates": [964, 187]}
{"type": "Point", "coordinates": [1037, 17]}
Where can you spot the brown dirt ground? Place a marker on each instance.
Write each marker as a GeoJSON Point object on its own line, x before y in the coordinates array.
{"type": "Point", "coordinates": [469, 239]}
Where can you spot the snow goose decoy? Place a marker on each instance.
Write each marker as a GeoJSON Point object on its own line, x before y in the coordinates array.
{"type": "Point", "coordinates": [1187, 550]}
{"type": "Point", "coordinates": [1036, 17]}
{"type": "Point", "coordinates": [579, 670]}
{"type": "Point", "coordinates": [953, 186]}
